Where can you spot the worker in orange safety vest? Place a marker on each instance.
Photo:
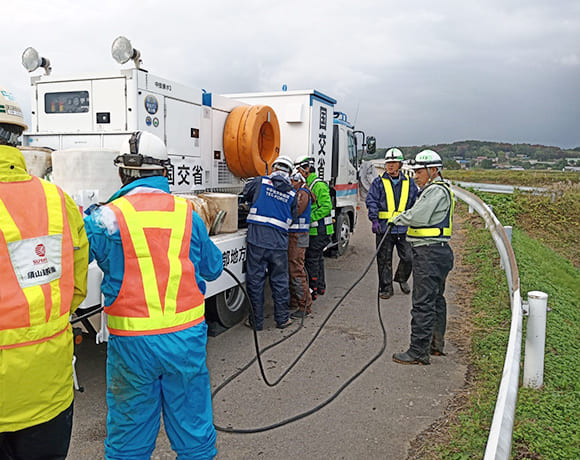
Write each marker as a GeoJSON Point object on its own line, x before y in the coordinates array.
{"type": "Point", "coordinates": [44, 262]}
{"type": "Point", "coordinates": [156, 255]}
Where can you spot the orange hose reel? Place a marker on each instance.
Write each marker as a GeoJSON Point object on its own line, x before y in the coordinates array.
{"type": "Point", "coordinates": [251, 140]}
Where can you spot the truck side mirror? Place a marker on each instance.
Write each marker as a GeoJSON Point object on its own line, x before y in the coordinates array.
{"type": "Point", "coordinates": [371, 145]}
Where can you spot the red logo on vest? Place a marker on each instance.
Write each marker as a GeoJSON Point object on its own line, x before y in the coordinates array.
{"type": "Point", "coordinates": [40, 250]}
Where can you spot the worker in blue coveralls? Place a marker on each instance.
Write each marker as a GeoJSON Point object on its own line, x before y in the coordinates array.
{"type": "Point", "coordinates": [273, 208]}
{"type": "Point", "coordinates": [389, 195]}
{"type": "Point", "coordinates": [156, 254]}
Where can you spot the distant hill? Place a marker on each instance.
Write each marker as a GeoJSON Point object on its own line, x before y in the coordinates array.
{"type": "Point", "coordinates": [488, 155]}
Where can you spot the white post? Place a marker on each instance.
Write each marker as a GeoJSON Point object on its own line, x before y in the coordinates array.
{"type": "Point", "coordinates": [535, 340]}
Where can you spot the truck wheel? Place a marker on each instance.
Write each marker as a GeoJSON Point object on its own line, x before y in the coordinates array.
{"type": "Point", "coordinates": [343, 233]}
{"type": "Point", "coordinates": [231, 306]}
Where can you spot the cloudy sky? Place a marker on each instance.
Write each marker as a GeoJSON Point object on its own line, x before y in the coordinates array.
{"type": "Point", "coordinates": [409, 71]}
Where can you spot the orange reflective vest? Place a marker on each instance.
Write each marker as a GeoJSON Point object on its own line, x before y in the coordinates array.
{"type": "Point", "coordinates": [159, 293]}
{"type": "Point", "coordinates": [37, 260]}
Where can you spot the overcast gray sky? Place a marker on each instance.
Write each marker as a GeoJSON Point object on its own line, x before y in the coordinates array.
{"type": "Point", "coordinates": [409, 72]}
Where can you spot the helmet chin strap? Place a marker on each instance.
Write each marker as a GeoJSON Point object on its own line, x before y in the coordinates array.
{"type": "Point", "coordinates": [431, 178]}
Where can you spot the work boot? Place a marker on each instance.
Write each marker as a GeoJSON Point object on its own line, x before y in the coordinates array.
{"type": "Point", "coordinates": [299, 314]}
{"type": "Point", "coordinates": [404, 357]}
{"type": "Point", "coordinates": [313, 294]}
{"type": "Point", "coordinates": [405, 287]}
{"type": "Point", "coordinates": [435, 352]}
{"type": "Point", "coordinates": [288, 322]}
{"type": "Point", "coordinates": [386, 294]}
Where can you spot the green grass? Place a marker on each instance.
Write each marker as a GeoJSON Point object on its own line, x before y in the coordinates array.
{"type": "Point", "coordinates": [547, 420]}
{"type": "Point", "coordinates": [552, 220]}
{"type": "Point", "coordinates": [539, 178]}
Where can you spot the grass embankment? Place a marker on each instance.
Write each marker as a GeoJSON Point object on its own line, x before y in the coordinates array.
{"type": "Point", "coordinates": [538, 178]}
{"type": "Point", "coordinates": [547, 420]}
{"type": "Point", "coordinates": [546, 424]}
{"type": "Point", "coordinates": [552, 218]}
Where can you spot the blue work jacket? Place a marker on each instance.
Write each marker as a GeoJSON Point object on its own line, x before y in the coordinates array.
{"type": "Point", "coordinates": [268, 236]}
{"type": "Point", "coordinates": [376, 200]}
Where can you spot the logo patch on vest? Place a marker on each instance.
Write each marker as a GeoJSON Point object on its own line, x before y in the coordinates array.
{"type": "Point", "coordinates": [36, 261]}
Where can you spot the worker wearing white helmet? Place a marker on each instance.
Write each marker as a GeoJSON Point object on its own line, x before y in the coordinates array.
{"type": "Point", "coordinates": [389, 195]}
{"type": "Point", "coordinates": [44, 253]}
{"type": "Point", "coordinates": [430, 223]}
{"type": "Point", "coordinates": [298, 241]}
{"type": "Point", "coordinates": [156, 257]}
{"type": "Point", "coordinates": [321, 225]}
{"type": "Point", "coordinates": [272, 209]}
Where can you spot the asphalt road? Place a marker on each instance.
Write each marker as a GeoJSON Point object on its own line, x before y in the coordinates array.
{"type": "Point", "coordinates": [376, 417]}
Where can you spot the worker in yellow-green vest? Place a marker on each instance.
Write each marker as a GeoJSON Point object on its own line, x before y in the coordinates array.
{"type": "Point", "coordinates": [389, 195]}
{"type": "Point", "coordinates": [44, 262]}
{"type": "Point", "coordinates": [156, 255]}
{"type": "Point", "coordinates": [430, 223]}
{"type": "Point", "coordinates": [321, 225]}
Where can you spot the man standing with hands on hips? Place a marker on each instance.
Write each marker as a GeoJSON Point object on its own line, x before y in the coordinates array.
{"type": "Point", "coordinates": [389, 195]}
{"type": "Point", "coordinates": [430, 225]}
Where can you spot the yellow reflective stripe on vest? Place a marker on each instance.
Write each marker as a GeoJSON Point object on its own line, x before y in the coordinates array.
{"type": "Point", "coordinates": [391, 210]}
{"type": "Point", "coordinates": [55, 227]}
{"type": "Point", "coordinates": [122, 323]}
{"type": "Point", "coordinates": [136, 222]}
{"type": "Point", "coordinates": [433, 232]}
{"type": "Point", "coordinates": [40, 329]}
{"type": "Point", "coordinates": [428, 232]}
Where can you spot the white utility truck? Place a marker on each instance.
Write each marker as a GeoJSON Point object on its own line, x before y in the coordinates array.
{"type": "Point", "coordinates": [214, 142]}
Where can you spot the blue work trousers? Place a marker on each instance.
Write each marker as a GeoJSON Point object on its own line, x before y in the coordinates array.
{"type": "Point", "coordinates": [431, 264]}
{"type": "Point", "coordinates": [153, 374]}
{"type": "Point", "coordinates": [275, 261]}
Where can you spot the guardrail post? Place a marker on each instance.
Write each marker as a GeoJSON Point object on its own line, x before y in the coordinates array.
{"type": "Point", "coordinates": [508, 231]}
{"type": "Point", "coordinates": [535, 340]}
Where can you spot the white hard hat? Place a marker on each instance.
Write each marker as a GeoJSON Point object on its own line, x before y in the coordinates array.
{"type": "Point", "coordinates": [304, 161]}
{"type": "Point", "coordinates": [143, 150]}
{"type": "Point", "coordinates": [284, 163]}
{"type": "Point", "coordinates": [394, 155]}
{"type": "Point", "coordinates": [297, 177]}
{"type": "Point", "coordinates": [426, 159]}
{"type": "Point", "coordinates": [10, 112]}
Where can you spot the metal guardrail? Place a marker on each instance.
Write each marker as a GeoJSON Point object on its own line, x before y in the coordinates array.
{"type": "Point", "coordinates": [499, 441]}
{"type": "Point", "coordinates": [501, 188]}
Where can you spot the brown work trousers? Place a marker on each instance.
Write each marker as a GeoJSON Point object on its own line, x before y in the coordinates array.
{"type": "Point", "coordinates": [300, 297]}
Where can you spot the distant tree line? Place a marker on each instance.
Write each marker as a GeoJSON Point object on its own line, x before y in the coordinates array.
{"type": "Point", "coordinates": [487, 155]}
